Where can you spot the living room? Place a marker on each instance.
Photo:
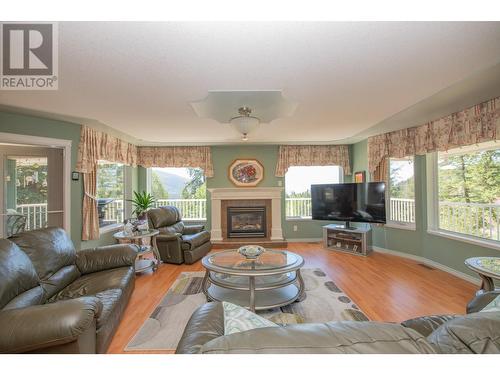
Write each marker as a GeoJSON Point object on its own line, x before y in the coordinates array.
{"type": "Point", "coordinates": [238, 196]}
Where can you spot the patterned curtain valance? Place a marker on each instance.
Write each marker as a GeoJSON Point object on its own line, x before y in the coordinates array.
{"type": "Point", "coordinates": [95, 145]}
{"type": "Point", "coordinates": [312, 155]}
{"type": "Point", "coordinates": [177, 156]}
{"type": "Point", "coordinates": [473, 125]}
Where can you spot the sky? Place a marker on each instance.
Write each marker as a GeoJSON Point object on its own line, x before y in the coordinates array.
{"type": "Point", "coordinates": [299, 179]}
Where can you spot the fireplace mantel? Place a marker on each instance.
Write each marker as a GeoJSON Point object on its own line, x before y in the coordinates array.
{"type": "Point", "coordinates": [273, 193]}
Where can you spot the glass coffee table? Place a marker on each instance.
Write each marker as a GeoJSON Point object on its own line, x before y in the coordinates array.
{"type": "Point", "coordinates": [271, 280]}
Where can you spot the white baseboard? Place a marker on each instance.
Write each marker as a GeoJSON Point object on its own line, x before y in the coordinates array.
{"type": "Point", "coordinates": [442, 267]}
{"type": "Point", "coordinates": [319, 239]}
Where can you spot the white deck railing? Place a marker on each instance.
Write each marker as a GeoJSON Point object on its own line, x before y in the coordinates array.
{"type": "Point", "coordinates": [476, 219]}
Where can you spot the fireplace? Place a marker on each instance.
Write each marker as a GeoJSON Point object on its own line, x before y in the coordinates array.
{"type": "Point", "coordinates": [246, 222]}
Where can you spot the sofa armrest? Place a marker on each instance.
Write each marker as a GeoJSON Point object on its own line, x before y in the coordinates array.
{"type": "Point", "coordinates": [192, 229]}
{"type": "Point", "coordinates": [105, 257]}
{"type": "Point", "coordinates": [43, 326]}
{"type": "Point", "coordinates": [425, 325]}
{"type": "Point", "coordinates": [166, 237]}
{"type": "Point", "coordinates": [206, 324]}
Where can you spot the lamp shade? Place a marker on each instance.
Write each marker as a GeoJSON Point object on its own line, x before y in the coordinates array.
{"type": "Point", "coordinates": [245, 124]}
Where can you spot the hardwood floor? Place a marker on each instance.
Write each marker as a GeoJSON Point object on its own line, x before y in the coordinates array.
{"type": "Point", "coordinates": [385, 287]}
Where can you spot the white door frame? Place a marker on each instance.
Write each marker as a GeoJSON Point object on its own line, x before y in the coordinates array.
{"type": "Point", "coordinates": [65, 144]}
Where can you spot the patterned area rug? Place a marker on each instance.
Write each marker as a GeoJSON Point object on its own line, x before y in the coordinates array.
{"type": "Point", "coordinates": [324, 302]}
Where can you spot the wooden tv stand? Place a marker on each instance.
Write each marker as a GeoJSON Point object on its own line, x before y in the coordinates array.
{"type": "Point", "coordinates": [352, 240]}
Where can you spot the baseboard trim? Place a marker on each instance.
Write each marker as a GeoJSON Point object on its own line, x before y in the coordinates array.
{"type": "Point", "coordinates": [319, 239]}
{"type": "Point", "coordinates": [442, 267]}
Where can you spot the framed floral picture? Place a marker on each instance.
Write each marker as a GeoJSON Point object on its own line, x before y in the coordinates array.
{"type": "Point", "coordinates": [246, 172]}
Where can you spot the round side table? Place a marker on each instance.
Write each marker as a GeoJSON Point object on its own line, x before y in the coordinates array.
{"type": "Point", "coordinates": [142, 264]}
{"type": "Point", "coordinates": [488, 269]}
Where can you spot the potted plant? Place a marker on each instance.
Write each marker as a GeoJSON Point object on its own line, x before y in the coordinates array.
{"type": "Point", "coordinates": [142, 203]}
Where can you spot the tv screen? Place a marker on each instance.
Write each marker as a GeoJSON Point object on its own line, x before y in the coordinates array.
{"type": "Point", "coordinates": [354, 202]}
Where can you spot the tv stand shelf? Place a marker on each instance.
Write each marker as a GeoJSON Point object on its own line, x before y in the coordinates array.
{"type": "Point", "coordinates": [352, 240]}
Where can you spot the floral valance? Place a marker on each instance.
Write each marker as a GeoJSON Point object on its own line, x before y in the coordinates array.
{"type": "Point", "coordinates": [312, 155]}
{"type": "Point", "coordinates": [96, 145]}
{"type": "Point", "coordinates": [473, 125]}
{"type": "Point", "coordinates": [177, 156]}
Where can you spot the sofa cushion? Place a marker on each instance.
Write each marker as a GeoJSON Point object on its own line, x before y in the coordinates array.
{"type": "Point", "coordinates": [17, 273]}
{"type": "Point", "coordinates": [163, 216]}
{"type": "Point", "coordinates": [425, 325]}
{"type": "Point", "coordinates": [191, 241]}
{"type": "Point", "coordinates": [93, 283]}
{"type": "Point", "coordinates": [319, 338]}
{"type": "Point", "coordinates": [474, 333]}
{"type": "Point", "coordinates": [53, 256]}
{"type": "Point", "coordinates": [238, 319]}
{"type": "Point", "coordinates": [176, 228]}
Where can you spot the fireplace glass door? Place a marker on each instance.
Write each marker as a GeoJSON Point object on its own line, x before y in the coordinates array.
{"type": "Point", "coordinates": [246, 222]}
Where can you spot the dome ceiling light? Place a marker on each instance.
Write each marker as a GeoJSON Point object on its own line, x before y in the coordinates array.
{"type": "Point", "coordinates": [244, 110]}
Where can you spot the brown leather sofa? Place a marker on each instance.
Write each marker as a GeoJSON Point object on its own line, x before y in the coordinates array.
{"type": "Point", "coordinates": [54, 299]}
{"type": "Point", "coordinates": [473, 333]}
{"type": "Point", "coordinates": [178, 243]}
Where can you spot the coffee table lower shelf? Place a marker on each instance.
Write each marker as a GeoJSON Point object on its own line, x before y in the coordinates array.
{"type": "Point", "coordinates": [264, 299]}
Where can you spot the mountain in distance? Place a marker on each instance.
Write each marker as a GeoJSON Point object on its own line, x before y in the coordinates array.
{"type": "Point", "coordinates": [173, 183]}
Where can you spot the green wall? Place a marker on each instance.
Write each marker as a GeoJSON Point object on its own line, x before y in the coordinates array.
{"type": "Point", "coordinates": [41, 127]}
{"type": "Point", "coordinates": [445, 251]}
{"type": "Point", "coordinates": [223, 156]}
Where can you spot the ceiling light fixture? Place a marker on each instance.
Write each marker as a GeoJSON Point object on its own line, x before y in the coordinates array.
{"type": "Point", "coordinates": [244, 123]}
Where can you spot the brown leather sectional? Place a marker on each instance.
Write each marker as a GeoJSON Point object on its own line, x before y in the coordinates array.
{"type": "Point", "coordinates": [444, 334]}
{"type": "Point", "coordinates": [54, 299]}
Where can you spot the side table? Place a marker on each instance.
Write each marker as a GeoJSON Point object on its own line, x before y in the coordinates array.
{"type": "Point", "coordinates": [142, 264]}
{"type": "Point", "coordinates": [488, 269]}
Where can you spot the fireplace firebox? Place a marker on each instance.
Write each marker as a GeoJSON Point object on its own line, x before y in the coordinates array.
{"type": "Point", "coordinates": [246, 222]}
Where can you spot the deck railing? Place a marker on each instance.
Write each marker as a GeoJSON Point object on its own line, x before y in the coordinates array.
{"type": "Point", "coordinates": [475, 219]}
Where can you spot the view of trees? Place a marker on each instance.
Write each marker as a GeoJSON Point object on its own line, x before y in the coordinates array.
{"type": "Point", "coordinates": [197, 187]}
{"type": "Point", "coordinates": [303, 194]}
{"type": "Point", "coordinates": [31, 183]}
{"type": "Point", "coordinates": [110, 180]}
{"type": "Point", "coordinates": [470, 178]}
{"type": "Point", "coordinates": [402, 179]}
{"type": "Point", "coordinates": [157, 188]}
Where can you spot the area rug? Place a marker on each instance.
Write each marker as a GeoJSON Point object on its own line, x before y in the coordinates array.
{"type": "Point", "coordinates": [324, 302]}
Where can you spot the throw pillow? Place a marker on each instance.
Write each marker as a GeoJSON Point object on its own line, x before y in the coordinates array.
{"type": "Point", "coordinates": [492, 306]}
{"type": "Point", "coordinates": [239, 319]}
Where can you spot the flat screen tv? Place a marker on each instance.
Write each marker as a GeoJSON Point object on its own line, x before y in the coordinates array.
{"type": "Point", "coordinates": [351, 202]}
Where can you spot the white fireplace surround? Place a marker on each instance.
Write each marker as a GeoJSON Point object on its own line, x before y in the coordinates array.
{"type": "Point", "coordinates": [272, 193]}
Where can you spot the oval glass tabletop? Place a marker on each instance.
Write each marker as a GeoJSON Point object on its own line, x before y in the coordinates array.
{"type": "Point", "coordinates": [490, 265]}
{"type": "Point", "coordinates": [269, 260]}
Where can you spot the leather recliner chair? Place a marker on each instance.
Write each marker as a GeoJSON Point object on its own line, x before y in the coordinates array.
{"type": "Point", "coordinates": [178, 243]}
{"type": "Point", "coordinates": [54, 299]}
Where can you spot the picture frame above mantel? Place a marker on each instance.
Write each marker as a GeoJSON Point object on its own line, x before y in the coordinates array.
{"type": "Point", "coordinates": [246, 172]}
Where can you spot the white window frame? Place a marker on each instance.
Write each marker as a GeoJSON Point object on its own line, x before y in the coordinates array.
{"type": "Point", "coordinates": [394, 223]}
{"type": "Point", "coordinates": [127, 194]}
{"type": "Point", "coordinates": [297, 218]}
{"type": "Point", "coordinates": [433, 209]}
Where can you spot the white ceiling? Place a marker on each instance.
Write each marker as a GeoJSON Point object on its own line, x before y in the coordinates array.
{"type": "Point", "coordinates": [139, 78]}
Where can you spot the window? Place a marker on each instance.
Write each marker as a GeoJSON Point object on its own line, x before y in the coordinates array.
{"type": "Point", "coordinates": [467, 195]}
{"type": "Point", "coordinates": [110, 194]}
{"type": "Point", "coordinates": [401, 191]}
{"type": "Point", "coordinates": [298, 181]}
{"type": "Point", "coordinates": [184, 188]}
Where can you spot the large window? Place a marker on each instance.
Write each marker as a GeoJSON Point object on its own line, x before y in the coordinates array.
{"type": "Point", "coordinates": [468, 191]}
{"type": "Point", "coordinates": [401, 191]}
{"type": "Point", "coordinates": [298, 181]}
{"type": "Point", "coordinates": [110, 194]}
{"type": "Point", "coordinates": [184, 188]}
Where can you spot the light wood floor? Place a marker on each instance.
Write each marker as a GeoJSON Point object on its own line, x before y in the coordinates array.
{"type": "Point", "coordinates": [385, 287]}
